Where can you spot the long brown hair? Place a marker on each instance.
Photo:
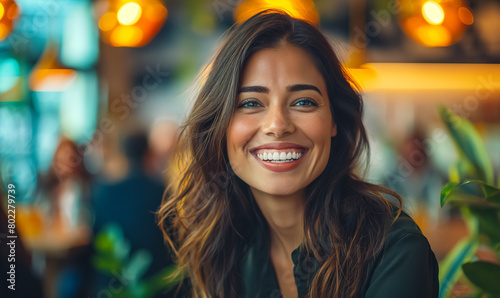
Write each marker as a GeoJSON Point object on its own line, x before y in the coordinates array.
{"type": "Point", "coordinates": [209, 215]}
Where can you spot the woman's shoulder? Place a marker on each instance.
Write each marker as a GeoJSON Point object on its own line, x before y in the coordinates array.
{"type": "Point", "coordinates": [406, 266]}
{"type": "Point", "coordinates": [405, 240]}
{"type": "Point", "coordinates": [403, 226]}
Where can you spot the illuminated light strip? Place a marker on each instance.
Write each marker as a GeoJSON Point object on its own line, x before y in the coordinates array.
{"type": "Point", "coordinates": [425, 76]}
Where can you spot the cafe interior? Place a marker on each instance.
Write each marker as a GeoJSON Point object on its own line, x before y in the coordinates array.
{"type": "Point", "coordinates": [93, 91]}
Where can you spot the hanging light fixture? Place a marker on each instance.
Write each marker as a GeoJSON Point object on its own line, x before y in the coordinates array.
{"type": "Point", "coordinates": [9, 12]}
{"type": "Point", "coordinates": [435, 23]}
{"type": "Point", "coordinates": [299, 9]}
{"type": "Point", "coordinates": [131, 23]}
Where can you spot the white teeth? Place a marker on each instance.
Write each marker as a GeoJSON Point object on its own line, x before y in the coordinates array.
{"type": "Point", "coordinates": [280, 157]}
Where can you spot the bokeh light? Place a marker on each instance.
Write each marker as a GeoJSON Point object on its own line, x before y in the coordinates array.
{"type": "Point", "coordinates": [465, 16]}
{"type": "Point", "coordinates": [435, 23]}
{"type": "Point", "coordinates": [433, 13]}
{"type": "Point", "coordinates": [108, 21]}
{"type": "Point", "coordinates": [303, 10]}
{"type": "Point", "coordinates": [49, 75]}
{"type": "Point", "coordinates": [129, 13]}
{"type": "Point", "coordinates": [126, 36]}
{"type": "Point", "coordinates": [9, 11]}
{"type": "Point", "coordinates": [128, 23]}
{"type": "Point", "coordinates": [9, 74]}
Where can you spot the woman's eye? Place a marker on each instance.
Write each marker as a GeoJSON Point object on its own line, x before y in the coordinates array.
{"type": "Point", "coordinates": [249, 103]}
{"type": "Point", "coordinates": [306, 102]}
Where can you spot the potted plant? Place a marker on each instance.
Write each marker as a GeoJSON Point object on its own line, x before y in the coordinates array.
{"type": "Point", "coordinates": [472, 188]}
{"type": "Point", "coordinates": [112, 258]}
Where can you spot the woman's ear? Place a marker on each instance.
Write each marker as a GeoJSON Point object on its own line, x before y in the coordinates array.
{"type": "Point", "coordinates": [334, 129]}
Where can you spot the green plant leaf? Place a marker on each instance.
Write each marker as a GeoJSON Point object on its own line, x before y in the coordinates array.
{"type": "Point", "coordinates": [469, 143]}
{"type": "Point", "coordinates": [106, 265]}
{"type": "Point", "coordinates": [471, 193]}
{"type": "Point", "coordinates": [112, 256]}
{"type": "Point", "coordinates": [489, 223]}
{"type": "Point", "coordinates": [485, 275]}
{"type": "Point", "coordinates": [460, 169]}
{"type": "Point", "coordinates": [450, 268]}
{"type": "Point", "coordinates": [111, 242]}
{"type": "Point", "coordinates": [138, 265]}
{"type": "Point", "coordinates": [164, 280]}
{"type": "Point", "coordinates": [446, 191]}
{"type": "Point", "coordinates": [478, 293]}
{"type": "Point", "coordinates": [491, 193]}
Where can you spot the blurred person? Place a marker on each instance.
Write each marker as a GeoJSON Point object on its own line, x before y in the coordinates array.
{"type": "Point", "coordinates": [112, 162]}
{"type": "Point", "coordinates": [68, 187]}
{"type": "Point", "coordinates": [163, 139]}
{"type": "Point", "coordinates": [270, 202]}
{"type": "Point", "coordinates": [131, 204]}
{"type": "Point", "coordinates": [64, 194]}
{"type": "Point", "coordinates": [415, 177]}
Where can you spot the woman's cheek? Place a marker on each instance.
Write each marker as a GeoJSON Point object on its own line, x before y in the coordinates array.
{"type": "Point", "coordinates": [239, 134]}
{"type": "Point", "coordinates": [317, 128]}
{"type": "Point", "coordinates": [241, 130]}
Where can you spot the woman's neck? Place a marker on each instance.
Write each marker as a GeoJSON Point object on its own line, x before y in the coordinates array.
{"type": "Point", "coordinates": [285, 216]}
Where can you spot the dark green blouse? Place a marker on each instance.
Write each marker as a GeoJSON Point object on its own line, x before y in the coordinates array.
{"type": "Point", "coordinates": [406, 267]}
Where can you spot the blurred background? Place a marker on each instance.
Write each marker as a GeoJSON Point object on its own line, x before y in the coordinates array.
{"type": "Point", "coordinates": [92, 93]}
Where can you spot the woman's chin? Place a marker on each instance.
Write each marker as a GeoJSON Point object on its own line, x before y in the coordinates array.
{"type": "Point", "coordinates": [277, 190]}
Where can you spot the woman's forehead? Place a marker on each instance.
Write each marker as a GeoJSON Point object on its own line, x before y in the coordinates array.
{"type": "Point", "coordinates": [284, 65]}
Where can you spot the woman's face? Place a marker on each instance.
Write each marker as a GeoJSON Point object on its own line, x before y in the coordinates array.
{"type": "Point", "coordinates": [278, 140]}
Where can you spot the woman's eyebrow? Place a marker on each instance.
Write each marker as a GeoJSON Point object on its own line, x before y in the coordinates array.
{"type": "Point", "coordinates": [300, 87]}
{"type": "Point", "coordinates": [258, 89]}
{"type": "Point", "coordinates": [291, 88]}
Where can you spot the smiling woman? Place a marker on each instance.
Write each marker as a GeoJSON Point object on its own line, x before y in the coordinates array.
{"type": "Point", "coordinates": [282, 109]}
{"type": "Point", "coordinates": [269, 202]}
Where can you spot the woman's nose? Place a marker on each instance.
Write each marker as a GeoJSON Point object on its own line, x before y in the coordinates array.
{"type": "Point", "coordinates": [278, 122]}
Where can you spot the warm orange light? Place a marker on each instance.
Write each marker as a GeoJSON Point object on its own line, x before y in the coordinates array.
{"type": "Point", "coordinates": [108, 21]}
{"type": "Point", "coordinates": [13, 11]}
{"type": "Point", "coordinates": [434, 23]}
{"type": "Point", "coordinates": [434, 36]}
{"type": "Point", "coordinates": [49, 75]}
{"type": "Point", "coordinates": [9, 12]}
{"type": "Point", "coordinates": [2, 10]}
{"type": "Point", "coordinates": [4, 31]}
{"type": "Point", "coordinates": [126, 36]}
{"type": "Point", "coordinates": [131, 23]}
{"type": "Point", "coordinates": [465, 16]}
{"type": "Point", "coordinates": [51, 80]}
{"type": "Point", "coordinates": [129, 13]}
{"type": "Point", "coordinates": [433, 13]}
{"type": "Point", "coordinates": [303, 10]}
{"type": "Point", "coordinates": [29, 221]}
{"type": "Point", "coordinates": [374, 77]}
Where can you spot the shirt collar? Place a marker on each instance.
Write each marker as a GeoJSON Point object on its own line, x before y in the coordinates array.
{"type": "Point", "coordinates": [259, 277]}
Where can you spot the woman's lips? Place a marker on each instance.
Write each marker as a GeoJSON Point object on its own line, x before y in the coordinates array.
{"type": "Point", "coordinates": [280, 165]}
{"type": "Point", "coordinates": [279, 146]}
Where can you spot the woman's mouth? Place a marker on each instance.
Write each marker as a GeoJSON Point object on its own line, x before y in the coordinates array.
{"type": "Point", "coordinates": [279, 156]}
{"type": "Point", "coordinates": [280, 160]}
